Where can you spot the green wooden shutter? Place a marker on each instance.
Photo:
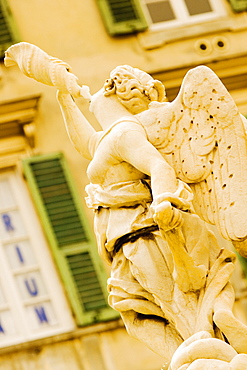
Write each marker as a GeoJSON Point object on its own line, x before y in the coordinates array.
{"type": "Point", "coordinates": [122, 16]}
{"type": "Point", "coordinates": [68, 234]}
{"type": "Point", "coordinates": [238, 5]}
{"type": "Point", "coordinates": [8, 31]}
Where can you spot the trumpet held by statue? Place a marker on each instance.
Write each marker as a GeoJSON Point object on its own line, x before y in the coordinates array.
{"type": "Point", "coordinates": [37, 64]}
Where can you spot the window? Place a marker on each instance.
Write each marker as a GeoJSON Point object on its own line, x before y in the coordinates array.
{"type": "Point", "coordinates": [8, 31]}
{"type": "Point", "coordinates": [168, 13]}
{"type": "Point", "coordinates": [32, 302]}
{"type": "Point", "coordinates": [122, 16]}
{"type": "Point", "coordinates": [68, 234]}
{"type": "Point", "coordinates": [130, 16]}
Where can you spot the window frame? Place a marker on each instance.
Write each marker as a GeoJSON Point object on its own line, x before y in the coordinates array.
{"type": "Point", "coordinates": [16, 304]}
{"type": "Point", "coordinates": [183, 17]}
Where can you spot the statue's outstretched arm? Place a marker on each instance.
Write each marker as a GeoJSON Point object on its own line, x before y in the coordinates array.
{"type": "Point", "coordinates": [36, 64]}
{"type": "Point", "coordinates": [78, 127]}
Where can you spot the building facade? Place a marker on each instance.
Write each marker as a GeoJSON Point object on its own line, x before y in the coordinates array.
{"type": "Point", "coordinates": [53, 299]}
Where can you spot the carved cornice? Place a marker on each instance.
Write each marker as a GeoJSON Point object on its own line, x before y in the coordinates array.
{"type": "Point", "coordinates": [17, 128]}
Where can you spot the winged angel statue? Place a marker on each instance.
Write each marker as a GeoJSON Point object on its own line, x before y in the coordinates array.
{"type": "Point", "coordinates": [159, 173]}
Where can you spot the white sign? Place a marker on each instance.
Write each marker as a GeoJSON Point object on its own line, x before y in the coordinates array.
{"type": "Point", "coordinates": [28, 307]}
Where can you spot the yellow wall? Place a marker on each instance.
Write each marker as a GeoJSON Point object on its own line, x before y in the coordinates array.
{"type": "Point", "coordinates": [73, 31]}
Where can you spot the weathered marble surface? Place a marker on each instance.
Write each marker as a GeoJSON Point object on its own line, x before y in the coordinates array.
{"type": "Point", "coordinates": [158, 173]}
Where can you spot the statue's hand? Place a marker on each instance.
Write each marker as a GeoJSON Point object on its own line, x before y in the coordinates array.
{"type": "Point", "coordinates": [167, 207]}
{"type": "Point", "coordinates": [166, 215]}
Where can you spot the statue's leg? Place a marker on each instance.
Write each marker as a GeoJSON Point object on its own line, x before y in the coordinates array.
{"type": "Point", "coordinates": [155, 332]}
{"type": "Point", "coordinates": [234, 330]}
{"type": "Point", "coordinates": [131, 294]}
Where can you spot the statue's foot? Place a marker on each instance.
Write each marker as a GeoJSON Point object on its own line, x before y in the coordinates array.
{"type": "Point", "coordinates": [233, 329]}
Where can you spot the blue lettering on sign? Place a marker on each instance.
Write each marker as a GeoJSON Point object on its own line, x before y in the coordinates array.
{"type": "Point", "coordinates": [32, 290]}
{"type": "Point", "coordinates": [1, 328]}
{"type": "Point", "coordinates": [7, 222]}
{"type": "Point", "coordinates": [19, 254]}
{"type": "Point", "coordinates": [40, 311]}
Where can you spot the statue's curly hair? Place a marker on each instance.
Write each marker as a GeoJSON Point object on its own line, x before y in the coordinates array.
{"type": "Point", "coordinates": [130, 83]}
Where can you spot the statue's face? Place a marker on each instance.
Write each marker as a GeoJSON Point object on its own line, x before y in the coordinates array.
{"type": "Point", "coordinates": [130, 92]}
{"type": "Point", "coordinates": [134, 88]}
{"type": "Point", "coordinates": [136, 104]}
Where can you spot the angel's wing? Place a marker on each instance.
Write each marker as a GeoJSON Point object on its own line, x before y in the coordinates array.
{"type": "Point", "coordinates": [204, 140]}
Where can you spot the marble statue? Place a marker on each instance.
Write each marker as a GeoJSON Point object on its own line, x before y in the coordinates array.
{"type": "Point", "coordinates": [159, 172]}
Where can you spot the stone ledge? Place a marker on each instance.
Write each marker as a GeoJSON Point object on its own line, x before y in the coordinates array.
{"type": "Point", "coordinates": [75, 334]}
